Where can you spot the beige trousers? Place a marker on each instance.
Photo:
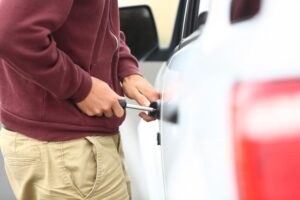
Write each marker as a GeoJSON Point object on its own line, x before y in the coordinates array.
{"type": "Point", "coordinates": [89, 168]}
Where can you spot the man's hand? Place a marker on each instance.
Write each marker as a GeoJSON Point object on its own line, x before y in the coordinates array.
{"type": "Point", "coordinates": [139, 89]}
{"type": "Point", "coordinates": [101, 100]}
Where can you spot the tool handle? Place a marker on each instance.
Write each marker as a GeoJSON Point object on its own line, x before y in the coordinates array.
{"type": "Point", "coordinates": [156, 113]}
{"type": "Point", "coordinates": [123, 103]}
{"type": "Point", "coordinates": [155, 105]}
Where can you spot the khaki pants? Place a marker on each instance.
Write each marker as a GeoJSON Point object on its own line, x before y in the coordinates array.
{"type": "Point", "coordinates": [89, 168]}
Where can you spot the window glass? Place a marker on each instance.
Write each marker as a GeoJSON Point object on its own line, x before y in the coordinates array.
{"type": "Point", "coordinates": [195, 16]}
{"type": "Point", "coordinates": [164, 13]}
{"type": "Point", "coordinates": [203, 6]}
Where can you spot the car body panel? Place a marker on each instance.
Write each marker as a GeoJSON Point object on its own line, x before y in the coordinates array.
{"type": "Point", "coordinates": [250, 51]}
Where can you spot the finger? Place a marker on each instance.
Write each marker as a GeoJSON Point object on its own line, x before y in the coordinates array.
{"type": "Point", "coordinates": [95, 112]}
{"type": "Point", "coordinates": [99, 114]}
{"type": "Point", "coordinates": [108, 113]}
{"type": "Point", "coordinates": [150, 93]}
{"type": "Point", "coordinates": [146, 117]}
{"type": "Point", "coordinates": [141, 99]}
{"type": "Point", "coordinates": [148, 90]}
{"type": "Point", "coordinates": [117, 109]}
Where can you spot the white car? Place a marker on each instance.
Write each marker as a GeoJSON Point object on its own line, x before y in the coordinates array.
{"type": "Point", "coordinates": [230, 116]}
{"type": "Point", "coordinates": [189, 24]}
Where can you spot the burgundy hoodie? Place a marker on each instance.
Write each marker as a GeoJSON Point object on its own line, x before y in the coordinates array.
{"type": "Point", "coordinates": [49, 50]}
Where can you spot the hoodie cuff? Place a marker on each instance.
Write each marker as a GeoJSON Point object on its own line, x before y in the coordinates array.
{"type": "Point", "coordinates": [84, 88]}
{"type": "Point", "coordinates": [126, 68]}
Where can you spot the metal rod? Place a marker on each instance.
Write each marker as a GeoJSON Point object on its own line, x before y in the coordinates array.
{"type": "Point", "coordinates": [142, 108]}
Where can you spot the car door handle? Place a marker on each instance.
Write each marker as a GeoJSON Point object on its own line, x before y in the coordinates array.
{"type": "Point", "coordinates": [170, 113]}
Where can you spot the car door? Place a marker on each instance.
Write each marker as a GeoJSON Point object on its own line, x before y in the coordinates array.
{"type": "Point", "coordinates": [152, 31]}
{"type": "Point", "coordinates": [148, 152]}
{"type": "Point", "coordinates": [191, 16]}
{"type": "Point", "coordinates": [176, 174]}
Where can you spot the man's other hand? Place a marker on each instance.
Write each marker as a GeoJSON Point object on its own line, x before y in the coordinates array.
{"type": "Point", "coordinates": [101, 100]}
{"type": "Point", "coordinates": [139, 89]}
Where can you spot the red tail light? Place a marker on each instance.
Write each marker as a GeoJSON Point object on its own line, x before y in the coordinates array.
{"type": "Point", "coordinates": [266, 126]}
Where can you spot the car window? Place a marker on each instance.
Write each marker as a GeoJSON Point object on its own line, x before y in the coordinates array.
{"type": "Point", "coordinates": [195, 16]}
{"type": "Point", "coordinates": [203, 6]}
{"type": "Point", "coordinates": [165, 21]}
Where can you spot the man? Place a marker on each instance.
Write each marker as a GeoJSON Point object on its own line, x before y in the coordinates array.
{"type": "Point", "coordinates": [64, 66]}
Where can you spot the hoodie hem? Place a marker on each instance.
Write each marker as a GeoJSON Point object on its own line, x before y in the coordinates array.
{"type": "Point", "coordinates": [51, 131]}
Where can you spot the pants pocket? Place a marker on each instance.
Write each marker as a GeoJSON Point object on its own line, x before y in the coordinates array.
{"type": "Point", "coordinates": [110, 182]}
{"type": "Point", "coordinates": [19, 150]}
{"type": "Point", "coordinates": [80, 165]}
{"type": "Point", "coordinates": [91, 165]}
{"type": "Point", "coordinates": [23, 166]}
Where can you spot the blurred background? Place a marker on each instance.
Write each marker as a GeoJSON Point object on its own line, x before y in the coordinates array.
{"type": "Point", "coordinates": [164, 20]}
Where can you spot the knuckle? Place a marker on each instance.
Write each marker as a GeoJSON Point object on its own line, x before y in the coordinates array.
{"type": "Point", "coordinates": [108, 114]}
{"type": "Point", "coordinates": [115, 101]}
{"type": "Point", "coordinates": [96, 111]}
{"type": "Point", "coordinates": [119, 113]}
{"type": "Point", "coordinates": [106, 108]}
{"type": "Point", "coordinates": [89, 113]}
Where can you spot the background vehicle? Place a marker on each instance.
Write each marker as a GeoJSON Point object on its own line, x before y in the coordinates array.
{"type": "Point", "coordinates": [237, 129]}
{"type": "Point", "coordinates": [247, 125]}
{"type": "Point", "coordinates": [191, 17]}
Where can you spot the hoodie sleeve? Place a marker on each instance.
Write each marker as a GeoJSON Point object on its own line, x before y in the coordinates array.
{"type": "Point", "coordinates": [128, 64]}
{"type": "Point", "coordinates": [28, 47]}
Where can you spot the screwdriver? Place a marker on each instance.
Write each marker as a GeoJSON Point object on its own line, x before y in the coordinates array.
{"type": "Point", "coordinates": [153, 110]}
{"type": "Point", "coordinates": [124, 105]}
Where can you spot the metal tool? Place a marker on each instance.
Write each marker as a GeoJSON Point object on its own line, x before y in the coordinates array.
{"type": "Point", "coordinates": [153, 110]}
{"type": "Point", "coordinates": [125, 105]}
